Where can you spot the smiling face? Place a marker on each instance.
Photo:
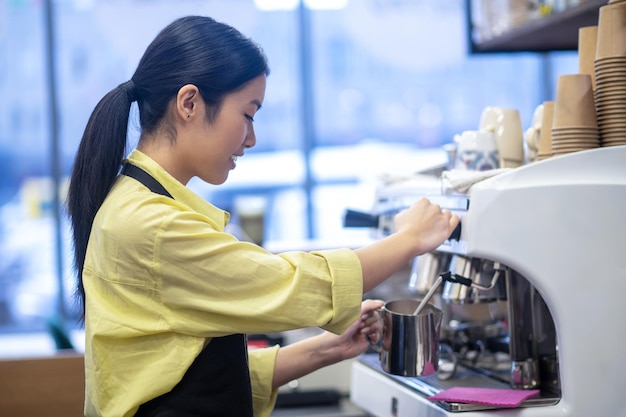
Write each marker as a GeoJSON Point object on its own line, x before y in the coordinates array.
{"type": "Point", "coordinates": [190, 144]}
{"type": "Point", "coordinates": [216, 145]}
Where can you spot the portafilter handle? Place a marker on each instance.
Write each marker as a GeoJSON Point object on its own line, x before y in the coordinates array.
{"type": "Point", "coordinates": [353, 218]}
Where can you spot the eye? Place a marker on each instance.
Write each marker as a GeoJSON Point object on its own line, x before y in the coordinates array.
{"type": "Point", "coordinates": [250, 118]}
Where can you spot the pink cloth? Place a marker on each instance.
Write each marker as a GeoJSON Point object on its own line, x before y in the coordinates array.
{"type": "Point", "coordinates": [487, 396]}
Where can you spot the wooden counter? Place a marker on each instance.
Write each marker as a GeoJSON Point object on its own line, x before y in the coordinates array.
{"type": "Point", "coordinates": [50, 386]}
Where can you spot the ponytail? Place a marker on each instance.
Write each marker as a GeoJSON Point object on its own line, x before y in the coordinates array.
{"type": "Point", "coordinates": [96, 167]}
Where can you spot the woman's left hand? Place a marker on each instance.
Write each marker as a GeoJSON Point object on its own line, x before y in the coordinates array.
{"type": "Point", "coordinates": [354, 341]}
{"type": "Point", "coordinates": [308, 355]}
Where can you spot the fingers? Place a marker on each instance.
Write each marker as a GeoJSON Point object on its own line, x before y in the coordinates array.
{"type": "Point", "coordinates": [369, 320]}
{"type": "Point", "coordinates": [372, 336]}
{"type": "Point", "coordinates": [368, 306]}
{"type": "Point", "coordinates": [370, 326]}
{"type": "Point", "coordinates": [454, 221]}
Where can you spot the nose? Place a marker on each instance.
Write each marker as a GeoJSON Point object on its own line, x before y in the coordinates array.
{"type": "Point", "coordinates": [250, 138]}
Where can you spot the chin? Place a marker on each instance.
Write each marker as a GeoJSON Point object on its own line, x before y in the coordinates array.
{"type": "Point", "coordinates": [218, 180]}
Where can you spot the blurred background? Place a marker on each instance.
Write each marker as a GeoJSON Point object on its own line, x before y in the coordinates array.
{"type": "Point", "coordinates": [358, 89]}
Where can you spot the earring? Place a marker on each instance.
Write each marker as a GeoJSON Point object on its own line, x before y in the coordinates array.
{"type": "Point", "coordinates": [188, 115]}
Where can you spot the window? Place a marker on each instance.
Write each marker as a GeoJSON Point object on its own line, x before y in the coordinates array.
{"type": "Point", "coordinates": [372, 87]}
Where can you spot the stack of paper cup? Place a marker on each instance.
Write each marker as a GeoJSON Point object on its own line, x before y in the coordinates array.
{"type": "Point", "coordinates": [610, 73]}
{"type": "Point", "coordinates": [574, 125]}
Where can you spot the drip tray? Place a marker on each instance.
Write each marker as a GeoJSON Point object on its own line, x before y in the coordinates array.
{"type": "Point", "coordinates": [464, 377]}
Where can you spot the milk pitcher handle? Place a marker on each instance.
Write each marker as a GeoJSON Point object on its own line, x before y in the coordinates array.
{"type": "Point", "coordinates": [377, 346]}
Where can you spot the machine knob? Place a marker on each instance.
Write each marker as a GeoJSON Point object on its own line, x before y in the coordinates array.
{"type": "Point", "coordinates": [456, 233]}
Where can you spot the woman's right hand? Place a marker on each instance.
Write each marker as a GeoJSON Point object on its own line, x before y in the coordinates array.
{"type": "Point", "coordinates": [425, 225]}
{"type": "Point", "coordinates": [420, 228]}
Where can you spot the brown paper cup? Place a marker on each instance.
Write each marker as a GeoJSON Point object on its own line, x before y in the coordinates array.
{"type": "Point", "coordinates": [611, 41]}
{"type": "Point", "coordinates": [575, 103]}
{"type": "Point", "coordinates": [587, 40]}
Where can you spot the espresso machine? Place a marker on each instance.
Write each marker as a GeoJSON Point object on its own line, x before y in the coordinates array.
{"type": "Point", "coordinates": [546, 243]}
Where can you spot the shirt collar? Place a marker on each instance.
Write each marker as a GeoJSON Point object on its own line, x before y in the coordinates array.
{"type": "Point", "coordinates": [180, 192]}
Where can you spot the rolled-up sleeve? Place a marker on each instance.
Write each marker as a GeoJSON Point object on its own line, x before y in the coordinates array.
{"type": "Point", "coordinates": [347, 291]}
{"type": "Point", "coordinates": [262, 363]}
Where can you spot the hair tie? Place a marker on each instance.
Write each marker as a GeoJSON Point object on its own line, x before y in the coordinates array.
{"type": "Point", "coordinates": [129, 88]}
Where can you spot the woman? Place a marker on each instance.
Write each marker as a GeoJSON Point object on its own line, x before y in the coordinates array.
{"type": "Point", "coordinates": [168, 295]}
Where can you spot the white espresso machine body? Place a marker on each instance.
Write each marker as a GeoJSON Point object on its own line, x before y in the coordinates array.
{"type": "Point", "coordinates": [559, 223]}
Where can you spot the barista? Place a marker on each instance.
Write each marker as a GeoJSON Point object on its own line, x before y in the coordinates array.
{"type": "Point", "coordinates": [168, 295]}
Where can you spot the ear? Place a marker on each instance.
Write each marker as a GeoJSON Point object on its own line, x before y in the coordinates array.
{"type": "Point", "coordinates": [188, 102]}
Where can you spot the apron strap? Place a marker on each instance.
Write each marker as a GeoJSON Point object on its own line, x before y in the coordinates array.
{"type": "Point", "coordinates": [146, 179]}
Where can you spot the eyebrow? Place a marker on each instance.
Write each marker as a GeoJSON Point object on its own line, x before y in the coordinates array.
{"type": "Point", "coordinates": [258, 104]}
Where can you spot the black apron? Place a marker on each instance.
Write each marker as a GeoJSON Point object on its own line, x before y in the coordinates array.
{"type": "Point", "coordinates": [217, 384]}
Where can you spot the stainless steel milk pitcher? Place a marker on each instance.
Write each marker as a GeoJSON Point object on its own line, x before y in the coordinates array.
{"type": "Point", "coordinates": [409, 345]}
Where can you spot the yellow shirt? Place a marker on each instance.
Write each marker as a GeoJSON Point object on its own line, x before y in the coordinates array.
{"type": "Point", "coordinates": [162, 278]}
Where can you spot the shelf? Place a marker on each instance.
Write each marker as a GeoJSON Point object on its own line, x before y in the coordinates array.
{"type": "Point", "coordinates": [556, 32]}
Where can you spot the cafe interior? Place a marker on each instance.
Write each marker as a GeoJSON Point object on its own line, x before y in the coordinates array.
{"type": "Point", "coordinates": [370, 104]}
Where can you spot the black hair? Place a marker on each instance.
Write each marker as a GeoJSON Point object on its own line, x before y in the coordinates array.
{"type": "Point", "coordinates": [197, 50]}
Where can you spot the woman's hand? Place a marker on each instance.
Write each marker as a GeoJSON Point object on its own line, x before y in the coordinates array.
{"type": "Point", "coordinates": [354, 341]}
{"type": "Point", "coordinates": [301, 358]}
{"type": "Point", "coordinates": [426, 225]}
{"type": "Point", "coordinates": [419, 229]}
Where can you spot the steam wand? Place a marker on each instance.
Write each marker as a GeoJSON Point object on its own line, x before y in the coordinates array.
{"type": "Point", "coordinates": [459, 279]}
